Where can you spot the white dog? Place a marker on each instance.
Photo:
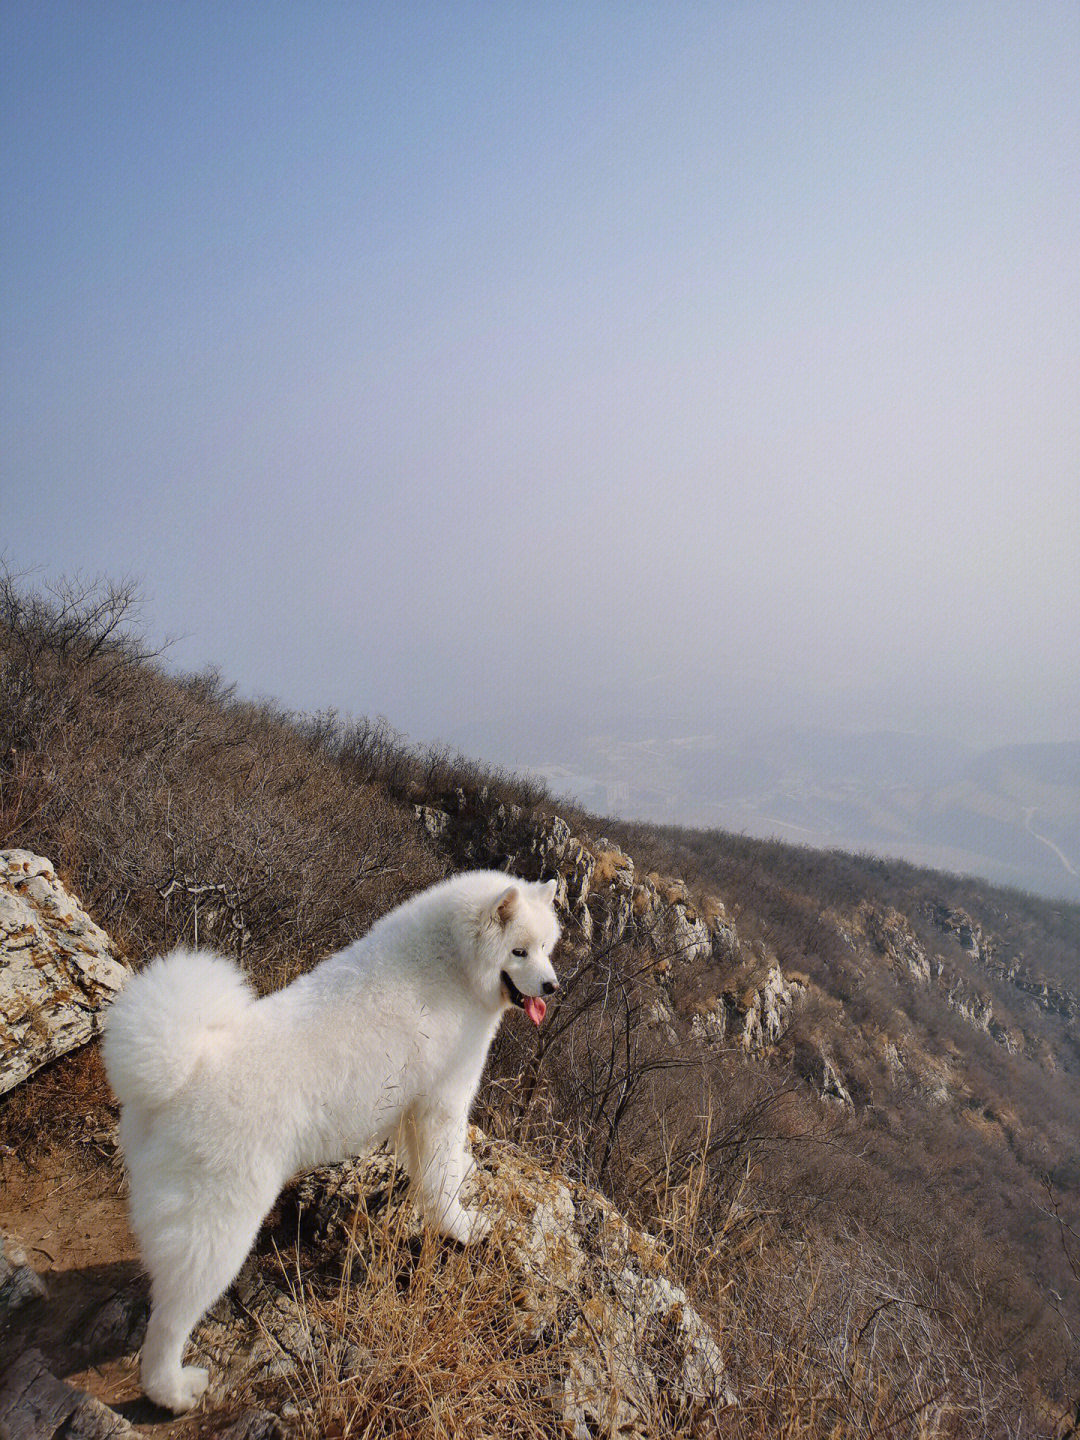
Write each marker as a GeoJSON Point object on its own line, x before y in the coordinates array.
{"type": "Point", "coordinates": [224, 1095]}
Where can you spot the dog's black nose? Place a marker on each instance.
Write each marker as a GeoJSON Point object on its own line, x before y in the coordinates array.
{"type": "Point", "coordinates": [550, 986]}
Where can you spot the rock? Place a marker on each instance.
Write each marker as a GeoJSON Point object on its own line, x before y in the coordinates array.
{"type": "Point", "coordinates": [434, 821]}
{"type": "Point", "coordinates": [626, 1339]}
{"type": "Point", "coordinates": [966, 931]}
{"type": "Point", "coordinates": [677, 935]}
{"type": "Point", "coordinates": [255, 1425]}
{"type": "Point", "coordinates": [58, 970]}
{"type": "Point", "coordinates": [725, 938]}
{"type": "Point", "coordinates": [977, 1009]}
{"type": "Point", "coordinates": [708, 1025]}
{"type": "Point", "coordinates": [660, 1014]}
{"type": "Point", "coordinates": [757, 1016]}
{"type": "Point", "coordinates": [598, 890]}
{"type": "Point", "coordinates": [832, 1086]}
{"type": "Point", "coordinates": [894, 938]}
{"type": "Point", "coordinates": [19, 1282]}
{"type": "Point", "coordinates": [256, 1332]}
{"type": "Point", "coordinates": [35, 1405]}
{"type": "Point", "coordinates": [118, 1326]}
{"type": "Point", "coordinates": [611, 862]}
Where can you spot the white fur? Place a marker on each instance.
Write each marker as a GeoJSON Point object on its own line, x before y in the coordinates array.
{"type": "Point", "coordinates": [224, 1096]}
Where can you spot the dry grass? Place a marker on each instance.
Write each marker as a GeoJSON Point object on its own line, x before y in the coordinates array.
{"type": "Point", "coordinates": [828, 1337]}
{"type": "Point", "coordinates": [412, 1337]}
{"type": "Point", "coordinates": [418, 1337]}
{"type": "Point", "coordinates": [66, 1102]}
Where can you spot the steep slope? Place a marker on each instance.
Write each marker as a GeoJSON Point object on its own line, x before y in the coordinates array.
{"type": "Point", "coordinates": [832, 1086]}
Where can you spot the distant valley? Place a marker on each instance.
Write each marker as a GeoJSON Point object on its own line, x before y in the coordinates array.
{"type": "Point", "coordinates": [1010, 814]}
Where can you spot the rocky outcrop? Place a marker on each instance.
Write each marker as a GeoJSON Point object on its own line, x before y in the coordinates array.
{"type": "Point", "coordinates": [833, 1088]}
{"type": "Point", "coordinates": [599, 892]}
{"type": "Point", "coordinates": [756, 1015]}
{"type": "Point", "coordinates": [970, 1005]}
{"type": "Point", "coordinates": [987, 951]}
{"type": "Point", "coordinates": [892, 935]}
{"type": "Point", "coordinates": [769, 1011]}
{"type": "Point", "coordinates": [605, 899]}
{"type": "Point", "coordinates": [628, 1346]}
{"type": "Point", "coordinates": [965, 931]}
{"type": "Point", "coordinates": [59, 968]}
{"type": "Point", "coordinates": [894, 938]}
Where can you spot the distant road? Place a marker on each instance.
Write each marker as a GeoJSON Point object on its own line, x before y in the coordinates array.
{"type": "Point", "coordinates": [1028, 813]}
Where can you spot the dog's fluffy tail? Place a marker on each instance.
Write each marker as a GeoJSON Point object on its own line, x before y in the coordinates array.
{"type": "Point", "coordinates": [165, 1019]}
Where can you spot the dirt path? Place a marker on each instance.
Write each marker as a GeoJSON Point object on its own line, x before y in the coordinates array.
{"type": "Point", "coordinates": [66, 1211]}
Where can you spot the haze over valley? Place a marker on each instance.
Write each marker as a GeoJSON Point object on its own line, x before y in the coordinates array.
{"type": "Point", "coordinates": [1010, 814]}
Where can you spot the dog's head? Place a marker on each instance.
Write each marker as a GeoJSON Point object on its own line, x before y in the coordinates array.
{"type": "Point", "coordinates": [522, 930]}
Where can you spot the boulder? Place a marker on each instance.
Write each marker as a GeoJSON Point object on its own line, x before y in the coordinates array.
{"type": "Point", "coordinates": [59, 969]}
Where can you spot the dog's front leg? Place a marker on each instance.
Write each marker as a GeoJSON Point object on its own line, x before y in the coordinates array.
{"type": "Point", "coordinates": [438, 1164]}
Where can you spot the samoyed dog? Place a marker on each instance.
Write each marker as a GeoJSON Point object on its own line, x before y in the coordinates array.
{"type": "Point", "coordinates": [224, 1096]}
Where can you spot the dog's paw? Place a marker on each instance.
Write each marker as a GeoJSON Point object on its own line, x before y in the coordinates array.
{"type": "Point", "coordinates": [477, 1226]}
{"type": "Point", "coordinates": [466, 1226]}
{"type": "Point", "coordinates": [180, 1391]}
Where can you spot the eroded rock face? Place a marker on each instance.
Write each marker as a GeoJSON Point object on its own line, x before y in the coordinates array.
{"type": "Point", "coordinates": [626, 1341]}
{"type": "Point", "coordinates": [598, 889]}
{"type": "Point", "coordinates": [1014, 969]}
{"type": "Point", "coordinates": [756, 1016]}
{"type": "Point", "coordinates": [832, 1084]}
{"type": "Point", "coordinates": [58, 968]}
{"type": "Point", "coordinates": [894, 938]}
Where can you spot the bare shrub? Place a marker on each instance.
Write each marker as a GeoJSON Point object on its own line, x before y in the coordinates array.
{"type": "Point", "coordinates": [178, 812]}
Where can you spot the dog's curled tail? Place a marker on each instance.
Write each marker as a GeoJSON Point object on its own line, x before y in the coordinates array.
{"type": "Point", "coordinates": [165, 1019]}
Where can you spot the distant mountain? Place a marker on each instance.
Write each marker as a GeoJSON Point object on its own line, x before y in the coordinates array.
{"type": "Point", "coordinates": [1010, 814]}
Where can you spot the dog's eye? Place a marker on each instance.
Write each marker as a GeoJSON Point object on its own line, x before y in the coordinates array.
{"type": "Point", "coordinates": [521, 954]}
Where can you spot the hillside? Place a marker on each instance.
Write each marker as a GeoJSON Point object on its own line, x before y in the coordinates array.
{"type": "Point", "coordinates": [841, 1091]}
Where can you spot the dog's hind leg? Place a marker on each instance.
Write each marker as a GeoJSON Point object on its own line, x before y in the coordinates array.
{"type": "Point", "coordinates": [191, 1262]}
{"type": "Point", "coordinates": [438, 1164]}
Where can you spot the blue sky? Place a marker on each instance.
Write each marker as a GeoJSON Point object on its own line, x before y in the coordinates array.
{"type": "Point", "coordinates": [549, 369]}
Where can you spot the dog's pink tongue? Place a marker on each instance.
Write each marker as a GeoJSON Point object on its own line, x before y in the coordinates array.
{"type": "Point", "coordinates": [535, 1008]}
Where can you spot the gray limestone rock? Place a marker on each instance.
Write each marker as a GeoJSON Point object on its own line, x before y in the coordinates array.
{"type": "Point", "coordinates": [629, 1339]}
{"type": "Point", "coordinates": [19, 1282]}
{"type": "Point", "coordinates": [58, 968]}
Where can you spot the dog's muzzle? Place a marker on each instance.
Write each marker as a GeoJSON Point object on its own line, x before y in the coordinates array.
{"type": "Point", "coordinates": [533, 1006]}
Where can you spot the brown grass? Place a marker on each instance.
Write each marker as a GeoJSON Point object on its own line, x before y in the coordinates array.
{"type": "Point", "coordinates": [417, 1337]}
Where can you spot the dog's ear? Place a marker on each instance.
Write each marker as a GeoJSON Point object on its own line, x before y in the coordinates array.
{"type": "Point", "coordinates": [548, 890]}
{"type": "Point", "coordinates": [506, 905]}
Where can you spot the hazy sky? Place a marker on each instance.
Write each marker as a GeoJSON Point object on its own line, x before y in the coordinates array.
{"type": "Point", "coordinates": [523, 365]}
